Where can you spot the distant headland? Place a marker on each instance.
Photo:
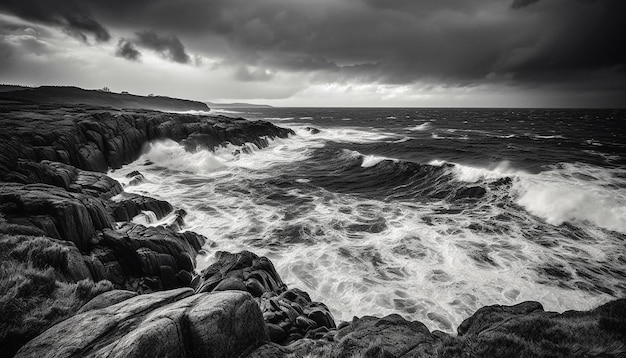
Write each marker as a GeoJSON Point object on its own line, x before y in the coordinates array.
{"type": "Point", "coordinates": [101, 97]}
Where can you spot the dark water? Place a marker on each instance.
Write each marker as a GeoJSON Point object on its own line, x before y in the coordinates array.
{"type": "Point", "coordinates": [430, 213]}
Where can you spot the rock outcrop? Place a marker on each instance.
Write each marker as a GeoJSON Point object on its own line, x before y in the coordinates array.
{"type": "Point", "coordinates": [523, 330]}
{"type": "Point", "coordinates": [96, 139]}
{"type": "Point", "coordinates": [289, 314]}
{"type": "Point", "coordinates": [55, 212]}
{"type": "Point", "coordinates": [53, 186]}
{"type": "Point", "coordinates": [173, 323]}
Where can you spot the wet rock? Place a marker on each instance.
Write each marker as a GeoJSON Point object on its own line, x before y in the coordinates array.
{"type": "Point", "coordinates": [487, 316]}
{"type": "Point", "coordinates": [230, 284]}
{"type": "Point", "coordinates": [134, 252]}
{"type": "Point", "coordinates": [107, 299]}
{"type": "Point", "coordinates": [527, 330]}
{"type": "Point", "coordinates": [284, 310]}
{"type": "Point", "coordinates": [271, 350]}
{"type": "Point", "coordinates": [234, 265]}
{"type": "Point", "coordinates": [170, 323]}
{"type": "Point", "coordinates": [276, 333]}
{"type": "Point", "coordinates": [322, 317]}
{"type": "Point", "coordinates": [58, 213]}
{"type": "Point", "coordinates": [390, 336]}
{"type": "Point", "coordinates": [96, 139]}
{"type": "Point", "coordinates": [126, 206]}
{"type": "Point", "coordinates": [135, 178]}
{"type": "Point", "coordinates": [305, 323]}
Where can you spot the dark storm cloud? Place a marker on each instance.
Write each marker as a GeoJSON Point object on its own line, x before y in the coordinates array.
{"type": "Point", "coordinates": [127, 50]}
{"type": "Point", "coordinates": [518, 4]}
{"type": "Point", "coordinates": [168, 46]}
{"type": "Point", "coordinates": [457, 42]}
{"type": "Point", "coordinates": [453, 42]}
{"type": "Point", "coordinates": [73, 17]}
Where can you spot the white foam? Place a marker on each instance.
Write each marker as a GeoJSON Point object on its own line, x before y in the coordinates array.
{"type": "Point", "coordinates": [371, 160]}
{"type": "Point", "coordinates": [194, 112]}
{"type": "Point", "coordinates": [224, 111]}
{"type": "Point", "coordinates": [437, 136]}
{"type": "Point", "coordinates": [437, 162]}
{"type": "Point", "coordinates": [470, 174]}
{"type": "Point", "coordinates": [345, 134]}
{"type": "Point", "coordinates": [558, 136]}
{"type": "Point", "coordinates": [421, 127]}
{"type": "Point", "coordinates": [145, 218]}
{"type": "Point", "coordinates": [575, 194]}
{"type": "Point", "coordinates": [172, 155]}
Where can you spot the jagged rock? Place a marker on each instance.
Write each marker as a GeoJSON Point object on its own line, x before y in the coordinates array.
{"type": "Point", "coordinates": [135, 178]}
{"type": "Point", "coordinates": [179, 220]}
{"type": "Point", "coordinates": [289, 314]}
{"type": "Point", "coordinates": [390, 336]}
{"type": "Point", "coordinates": [170, 323]}
{"type": "Point", "coordinates": [135, 252]}
{"type": "Point", "coordinates": [529, 331]}
{"type": "Point", "coordinates": [67, 177]}
{"type": "Point", "coordinates": [59, 214]}
{"type": "Point", "coordinates": [487, 316]}
{"type": "Point", "coordinates": [125, 206]}
{"type": "Point", "coordinates": [96, 139]}
{"type": "Point", "coordinates": [244, 265]}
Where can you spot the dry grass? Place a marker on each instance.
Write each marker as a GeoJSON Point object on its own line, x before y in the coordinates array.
{"type": "Point", "coordinates": [34, 294]}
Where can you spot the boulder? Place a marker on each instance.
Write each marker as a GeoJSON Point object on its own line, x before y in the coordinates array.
{"type": "Point", "coordinates": [526, 330]}
{"type": "Point", "coordinates": [107, 299]}
{"type": "Point", "coordinates": [289, 313]}
{"type": "Point", "coordinates": [390, 336]}
{"type": "Point", "coordinates": [172, 323]}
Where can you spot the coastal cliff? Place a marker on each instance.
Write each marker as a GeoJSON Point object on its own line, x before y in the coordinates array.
{"type": "Point", "coordinates": [81, 279]}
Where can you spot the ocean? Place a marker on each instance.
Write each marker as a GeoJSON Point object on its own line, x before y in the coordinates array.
{"type": "Point", "coordinates": [428, 213]}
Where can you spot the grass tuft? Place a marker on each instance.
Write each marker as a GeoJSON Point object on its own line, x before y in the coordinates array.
{"type": "Point", "coordinates": [34, 294]}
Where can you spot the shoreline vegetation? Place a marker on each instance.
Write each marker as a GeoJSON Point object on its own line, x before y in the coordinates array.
{"type": "Point", "coordinates": [78, 278]}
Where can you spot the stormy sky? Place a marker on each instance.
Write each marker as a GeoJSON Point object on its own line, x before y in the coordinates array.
{"type": "Point", "coordinates": [459, 53]}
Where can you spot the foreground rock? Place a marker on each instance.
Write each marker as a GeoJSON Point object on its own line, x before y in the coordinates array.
{"type": "Point", "coordinates": [53, 190]}
{"type": "Point", "coordinates": [526, 330]}
{"type": "Point", "coordinates": [173, 323]}
{"type": "Point", "coordinates": [230, 315]}
{"type": "Point", "coordinates": [289, 314]}
{"type": "Point", "coordinates": [523, 330]}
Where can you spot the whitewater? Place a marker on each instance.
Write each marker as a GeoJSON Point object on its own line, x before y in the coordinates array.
{"type": "Point", "coordinates": [428, 213]}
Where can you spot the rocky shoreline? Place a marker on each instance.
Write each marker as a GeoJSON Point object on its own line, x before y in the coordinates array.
{"type": "Point", "coordinates": [101, 285]}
